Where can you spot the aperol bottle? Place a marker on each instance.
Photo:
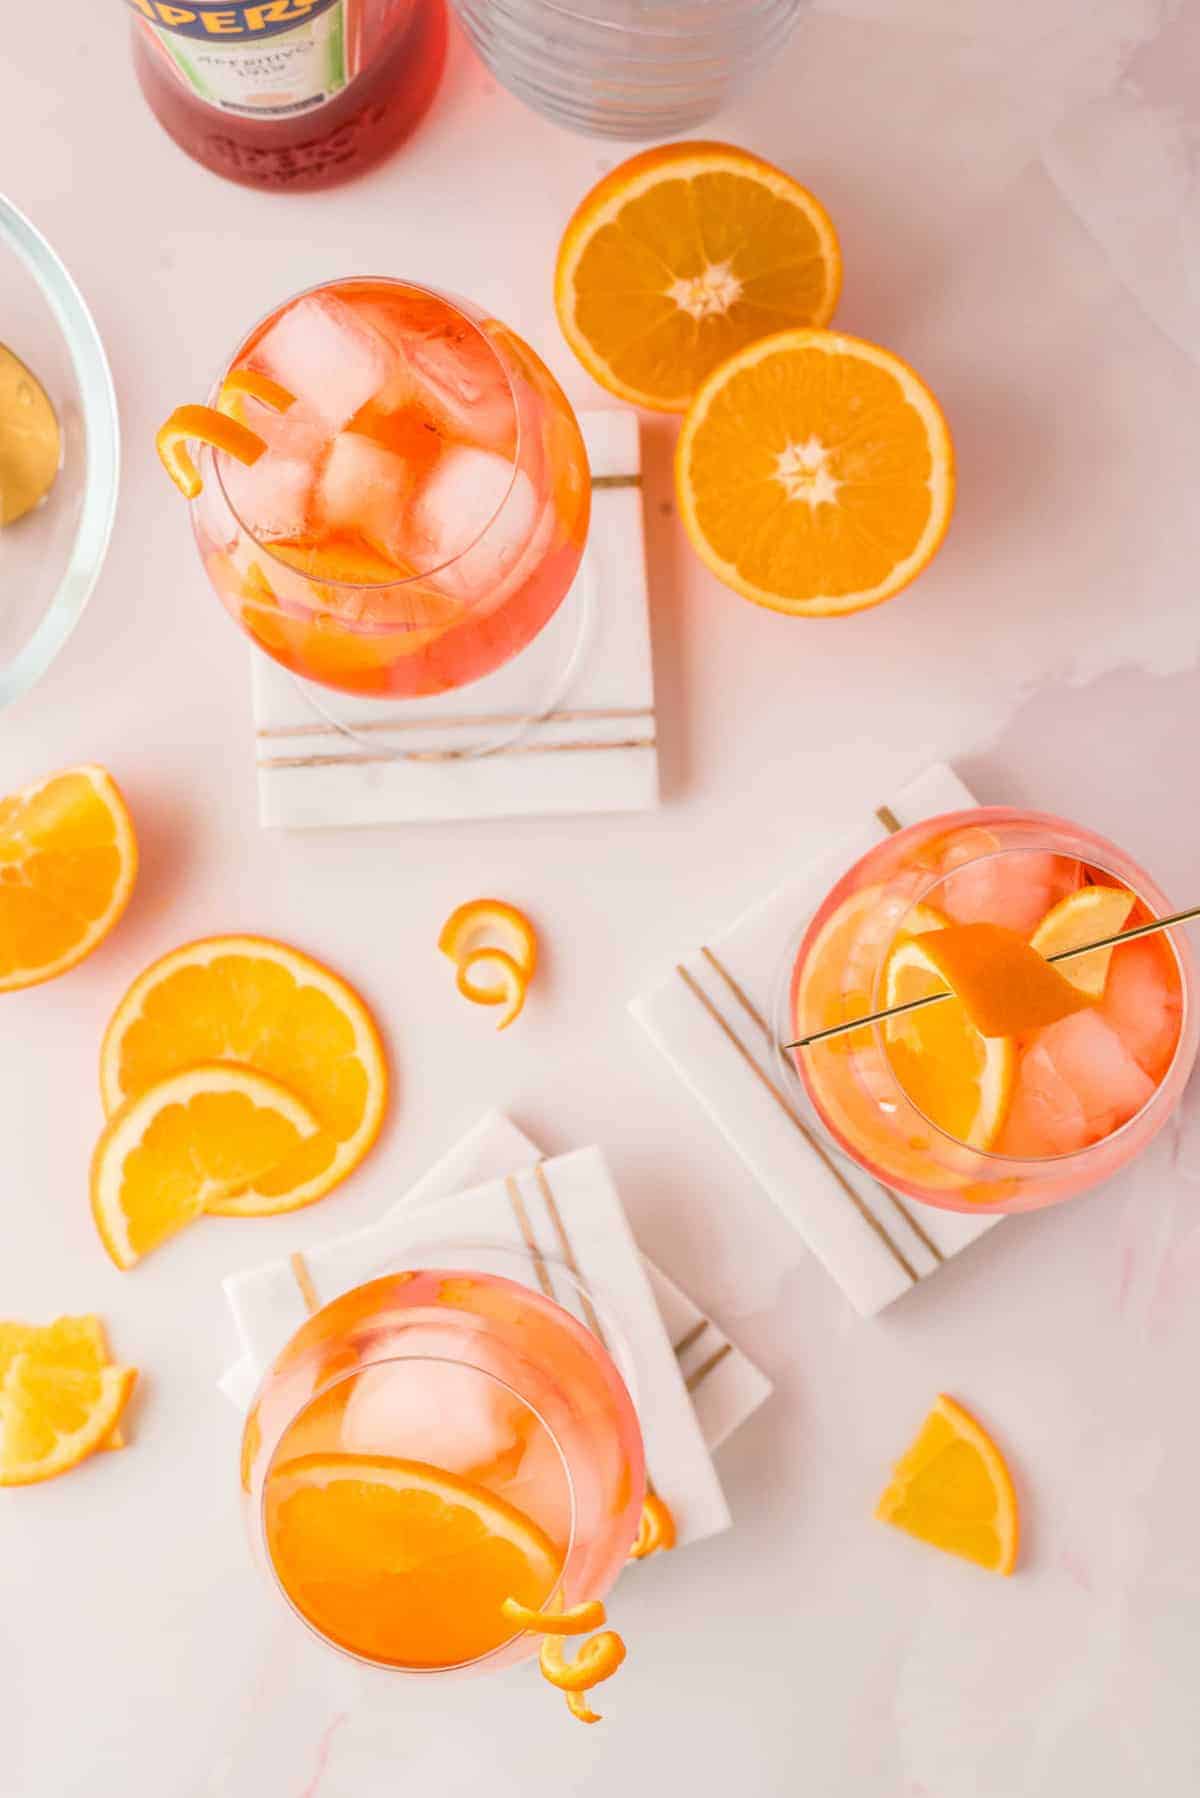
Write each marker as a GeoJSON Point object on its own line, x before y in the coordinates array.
{"type": "Point", "coordinates": [288, 94]}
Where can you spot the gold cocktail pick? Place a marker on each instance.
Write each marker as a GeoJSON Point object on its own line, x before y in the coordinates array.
{"type": "Point", "coordinates": [30, 441]}
{"type": "Point", "coordinates": [896, 1011]}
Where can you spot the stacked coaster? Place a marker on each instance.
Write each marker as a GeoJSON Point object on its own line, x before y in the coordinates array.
{"type": "Point", "coordinates": [469, 753]}
{"type": "Point", "coordinates": [712, 1019]}
{"type": "Point", "coordinates": [691, 1386]}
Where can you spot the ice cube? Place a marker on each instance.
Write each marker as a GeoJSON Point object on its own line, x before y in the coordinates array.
{"type": "Point", "coordinates": [1143, 1003]}
{"type": "Point", "coordinates": [327, 356]}
{"type": "Point", "coordinates": [464, 387]}
{"type": "Point", "coordinates": [450, 1416]}
{"type": "Point", "coordinates": [1046, 1114]}
{"type": "Point", "coordinates": [366, 488]}
{"type": "Point", "coordinates": [1088, 1056]}
{"type": "Point", "coordinates": [1016, 888]}
{"type": "Point", "coordinates": [472, 512]}
{"type": "Point", "coordinates": [274, 497]}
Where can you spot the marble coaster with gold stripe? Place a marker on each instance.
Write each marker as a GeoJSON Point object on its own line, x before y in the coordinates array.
{"type": "Point", "coordinates": [692, 1386]}
{"type": "Point", "coordinates": [593, 749]}
{"type": "Point", "coordinates": [711, 1018]}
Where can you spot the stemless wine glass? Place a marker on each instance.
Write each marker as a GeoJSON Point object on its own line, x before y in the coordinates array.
{"type": "Point", "coordinates": [943, 1115]}
{"type": "Point", "coordinates": [421, 508]}
{"type": "Point", "coordinates": [429, 1444]}
{"type": "Point", "coordinates": [626, 68]}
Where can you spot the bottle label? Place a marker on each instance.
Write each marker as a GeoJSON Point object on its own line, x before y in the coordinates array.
{"type": "Point", "coordinates": [257, 58]}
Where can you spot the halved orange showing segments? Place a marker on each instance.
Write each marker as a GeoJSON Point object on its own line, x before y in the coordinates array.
{"type": "Point", "coordinates": [400, 1561]}
{"type": "Point", "coordinates": [682, 256]}
{"type": "Point", "coordinates": [953, 1490]}
{"type": "Point", "coordinates": [68, 861]}
{"type": "Point", "coordinates": [266, 1006]}
{"type": "Point", "coordinates": [815, 473]}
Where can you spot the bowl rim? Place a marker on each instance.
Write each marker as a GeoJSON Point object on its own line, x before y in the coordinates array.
{"type": "Point", "coordinates": [103, 451]}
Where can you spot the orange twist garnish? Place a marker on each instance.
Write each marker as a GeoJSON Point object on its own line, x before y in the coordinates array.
{"type": "Point", "coordinates": [576, 1621]}
{"type": "Point", "coordinates": [490, 937]}
{"type": "Point", "coordinates": [203, 424]}
{"type": "Point", "coordinates": [509, 991]}
{"type": "Point", "coordinates": [597, 1660]}
{"type": "Point", "coordinates": [656, 1531]}
{"type": "Point", "coordinates": [256, 387]}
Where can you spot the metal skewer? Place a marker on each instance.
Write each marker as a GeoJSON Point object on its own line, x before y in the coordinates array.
{"type": "Point", "coordinates": [896, 1011]}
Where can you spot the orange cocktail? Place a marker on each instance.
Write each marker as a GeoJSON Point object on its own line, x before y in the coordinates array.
{"type": "Point", "coordinates": [421, 506]}
{"type": "Point", "coordinates": [429, 1446]}
{"type": "Point", "coordinates": [925, 1102]}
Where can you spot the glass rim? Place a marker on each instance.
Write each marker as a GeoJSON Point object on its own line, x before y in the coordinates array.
{"type": "Point", "coordinates": [1004, 1165]}
{"type": "Point", "coordinates": [366, 1660]}
{"type": "Point", "coordinates": [102, 452]}
{"type": "Point", "coordinates": [454, 305]}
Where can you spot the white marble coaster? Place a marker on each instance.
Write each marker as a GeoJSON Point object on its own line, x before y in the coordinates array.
{"type": "Point", "coordinates": [712, 1020]}
{"type": "Point", "coordinates": [594, 751]}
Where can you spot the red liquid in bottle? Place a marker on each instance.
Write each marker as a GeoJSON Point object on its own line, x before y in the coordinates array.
{"type": "Point", "coordinates": [385, 67]}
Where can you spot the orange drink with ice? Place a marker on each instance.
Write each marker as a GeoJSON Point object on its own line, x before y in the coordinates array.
{"type": "Point", "coordinates": [927, 1103]}
{"type": "Point", "coordinates": [432, 1446]}
{"type": "Point", "coordinates": [420, 508]}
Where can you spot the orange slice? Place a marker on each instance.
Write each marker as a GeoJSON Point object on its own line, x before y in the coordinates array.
{"type": "Point", "coordinates": [1004, 985]}
{"type": "Point", "coordinates": [185, 1143]}
{"type": "Point", "coordinates": [68, 861]}
{"type": "Point", "coordinates": [1085, 916]}
{"type": "Point", "coordinates": [597, 1660]}
{"type": "Point", "coordinates": [815, 473]}
{"type": "Point", "coordinates": [259, 1003]}
{"type": "Point", "coordinates": [681, 257]}
{"type": "Point", "coordinates": [74, 1344]}
{"type": "Point", "coordinates": [493, 924]}
{"type": "Point", "coordinates": [401, 1562]}
{"type": "Point", "coordinates": [953, 1490]}
{"type": "Point", "coordinates": [52, 1418]}
{"type": "Point", "coordinates": [961, 1079]}
{"type": "Point", "coordinates": [202, 424]}
{"type": "Point", "coordinates": [656, 1528]}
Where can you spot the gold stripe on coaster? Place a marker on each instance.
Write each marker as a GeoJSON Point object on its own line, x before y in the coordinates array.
{"type": "Point", "coordinates": [747, 1004]}
{"type": "Point", "coordinates": [522, 1217]}
{"type": "Point", "coordinates": [706, 1367]}
{"type": "Point", "coordinates": [363, 760]}
{"type": "Point", "coordinates": [464, 721]}
{"type": "Point", "coordinates": [568, 1253]}
{"type": "Point", "coordinates": [888, 819]}
{"type": "Point", "coordinates": [304, 1281]}
{"type": "Point", "coordinates": [868, 1216]}
{"type": "Point", "coordinates": [605, 483]}
{"type": "Point", "coordinates": [694, 1334]}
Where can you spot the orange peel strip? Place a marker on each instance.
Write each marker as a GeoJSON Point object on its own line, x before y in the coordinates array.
{"type": "Point", "coordinates": [579, 1707]}
{"type": "Point", "coordinates": [510, 993]}
{"type": "Point", "coordinates": [597, 1660]}
{"type": "Point", "coordinates": [1005, 986]}
{"type": "Point", "coordinates": [254, 386]}
{"type": "Point", "coordinates": [656, 1530]}
{"type": "Point", "coordinates": [478, 917]}
{"type": "Point", "coordinates": [573, 1622]}
{"type": "Point", "coordinates": [202, 424]}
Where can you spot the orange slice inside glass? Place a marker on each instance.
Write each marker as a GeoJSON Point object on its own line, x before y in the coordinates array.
{"type": "Point", "coordinates": [1086, 916]}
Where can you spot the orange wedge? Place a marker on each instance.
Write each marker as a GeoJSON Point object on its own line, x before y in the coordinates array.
{"type": "Point", "coordinates": [202, 424]}
{"type": "Point", "coordinates": [680, 258]}
{"type": "Point", "coordinates": [52, 1417]}
{"type": "Point", "coordinates": [259, 1003]}
{"type": "Point", "coordinates": [186, 1143]}
{"type": "Point", "coordinates": [815, 473]}
{"type": "Point", "coordinates": [1004, 985]}
{"type": "Point", "coordinates": [401, 1562]}
{"type": "Point", "coordinates": [953, 1490]}
{"type": "Point", "coordinates": [1085, 916]}
{"type": "Point", "coordinates": [74, 1344]}
{"type": "Point", "coordinates": [68, 861]}
{"type": "Point", "coordinates": [960, 1079]}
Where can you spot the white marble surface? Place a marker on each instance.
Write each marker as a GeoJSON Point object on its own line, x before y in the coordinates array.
{"type": "Point", "coordinates": [1051, 652]}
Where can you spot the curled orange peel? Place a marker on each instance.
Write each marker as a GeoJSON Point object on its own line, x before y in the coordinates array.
{"type": "Point", "coordinates": [656, 1530]}
{"type": "Point", "coordinates": [202, 424]}
{"type": "Point", "coordinates": [579, 1707]}
{"type": "Point", "coordinates": [254, 386]}
{"type": "Point", "coordinates": [1005, 986]}
{"type": "Point", "coordinates": [490, 923]}
{"type": "Point", "coordinates": [509, 991]}
{"type": "Point", "coordinates": [576, 1621]}
{"type": "Point", "coordinates": [597, 1660]}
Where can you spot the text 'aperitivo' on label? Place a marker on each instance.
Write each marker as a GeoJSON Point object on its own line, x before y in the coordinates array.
{"type": "Point", "coordinates": [257, 58]}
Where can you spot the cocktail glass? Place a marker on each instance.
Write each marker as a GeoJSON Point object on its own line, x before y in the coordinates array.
{"type": "Point", "coordinates": [420, 511]}
{"type": "Point", "coordinates": [507, 1407]}
{"type": "Point", "coordinates": [1016, 1123]}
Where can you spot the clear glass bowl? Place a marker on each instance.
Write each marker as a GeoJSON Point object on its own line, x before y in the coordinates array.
{"type": "Point", "coordinates": [626, 68]}
{"type": "Point", "coordinates": [50, 558]}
